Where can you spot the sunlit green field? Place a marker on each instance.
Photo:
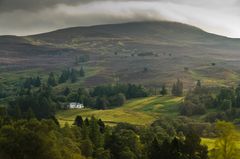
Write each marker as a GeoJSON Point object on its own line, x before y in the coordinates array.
{"type": "Point", "coordinates": [138, 111]}
{"type": "Point", "coordinates": [210, 143]}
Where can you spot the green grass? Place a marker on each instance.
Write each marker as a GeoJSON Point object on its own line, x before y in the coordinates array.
{"type": "Point", "coordinates": [210, 143]}
{"type": "Point", "coordinates": [141, 111]}
{"type": "Point", "coordinates": [215, 76]}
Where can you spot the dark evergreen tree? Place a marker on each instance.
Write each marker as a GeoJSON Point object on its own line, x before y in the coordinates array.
{"type": "Point", "coordinates": [237, 92]}
{"type": "Point", "coordinates": [82, 72]}
{"type": "Point", "coordinates": [66, 91]}
{"type": "Point", "coordinates": [225, 94]}
{"type": "Point", "coordinates": [73, 76]}
{"type": "Point", "coordinates": [78, 121]}
{"type": "Point", "coordinates": [37, 82]}
{"type": "Point", "coordinates": [28, 83]}
{"type": "Point", "coordinates": [192, 147]}
{"type": "Point", "coordinates": [94, 133]}
{"type": "Point", "coordinates": [101, 126]}
{"type": "Point", "coordinates": [154, 150]}
{"type": "Point", "coordinates": [177, 89]}
{"type": "Point", "coordinates": [51, 80]}
{"type": "Point", "coordinates": [86, 121]}
{"type": "Point", "coordinates": [30, 114]}
{"type": "Point", "coordinates": [163, 90]}
{"type": "Point", "coordinates": [199, 84]}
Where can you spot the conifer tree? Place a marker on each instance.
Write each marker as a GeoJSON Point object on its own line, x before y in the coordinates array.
{"type": "Point", "coordinates": [51, 80]}
{"type": "Point", "coordinates": [163, 91]}
{"type": "Point", "coordinates": [177, 89]}
{"type": "Point", "coordinates": [78, 121]}
{"type": "Point", "coordinates": [37, 82]}
{"type": "Point", "coordinates": [82, 72]}
{"type": "Point", "coordinates": [73, 76]}
{"type": "Point", "coordinates": [94, 133]}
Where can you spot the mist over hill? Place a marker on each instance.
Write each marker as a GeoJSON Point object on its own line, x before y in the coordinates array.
{"type": "Point", "coordinates": [150, 53]}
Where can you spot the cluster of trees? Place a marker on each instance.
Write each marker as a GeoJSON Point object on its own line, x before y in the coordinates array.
{"type": "Point", "coordinates": [189, 148]}
{"type": "Point", "coordinates": [66, 75]}
{"type": "Point", "coordinates": [198, 100]}
{"type": "Point", "coordinates": [71, 75]}
{"type": "Point", "coordinates": [32, 82]}
{"type": "Point", "coordinates": [127, 141]}
{"type": "Point", "coordinates": [105, 96]}
{"type": "Point", "coordinates": [28, 139]}
{"type": "Point", "coordinates": [177, 88]}
{"type": "Point", "coordinates": [81, 59]}
{"type": "Point", "coordinates": [226, 102]}
{"type": "Point", "coordinates": [39, 103]}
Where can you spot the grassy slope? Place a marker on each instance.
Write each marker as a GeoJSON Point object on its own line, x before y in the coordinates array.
{"type": "Point", "coordinates": [138, 111]}
{"type": "Point", "coordinates": [211, 144]}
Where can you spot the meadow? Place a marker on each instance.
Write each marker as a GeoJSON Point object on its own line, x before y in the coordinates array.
{"type": "Point", "coordinates": [141, 111]}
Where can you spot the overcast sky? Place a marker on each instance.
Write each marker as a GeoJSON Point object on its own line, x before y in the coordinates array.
{"type": "Point", "coordinates": [24, 17]}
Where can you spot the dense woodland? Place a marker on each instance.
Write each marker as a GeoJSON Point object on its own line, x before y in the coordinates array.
{"type": "Point", "coordinates": [90, 138]}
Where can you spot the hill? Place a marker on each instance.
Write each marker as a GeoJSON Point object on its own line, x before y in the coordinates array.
{"type": "Point", "coordinates": [150, 53]}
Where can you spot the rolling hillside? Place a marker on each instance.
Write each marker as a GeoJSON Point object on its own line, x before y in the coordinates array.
{"type": "Point", "coordinates": [150, 53]}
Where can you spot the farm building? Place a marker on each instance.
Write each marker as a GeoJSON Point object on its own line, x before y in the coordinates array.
{"type": "Point", "coordinates": [75, 106]}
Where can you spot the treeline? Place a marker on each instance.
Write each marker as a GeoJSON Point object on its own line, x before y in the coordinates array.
{"type": "Point", "coordinates": [29, 103]}
{"type": "Point", "coordinates": [42, 103]}
{"type": "Point", "coordinates": [91, 138]}
{"type": "Point", "coordinates": [226, 102]}
{"type": "Point", "coordinates": [32, 82]}
{"type": "Point", "coordinates": [71, 75]}
{"type": "Point", "coordinates": [105, 96]}
{"type": "Point", "coordinates": [33, 139]}
{"type": "Point", "coordinates": [66, 75]}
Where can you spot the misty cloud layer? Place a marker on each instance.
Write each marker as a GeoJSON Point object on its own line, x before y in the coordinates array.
{"type": "Point", "coordinates": [23, 17]}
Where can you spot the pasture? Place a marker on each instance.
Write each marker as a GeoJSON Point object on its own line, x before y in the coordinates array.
{"type": "Point", "coordinates": [141, 111]}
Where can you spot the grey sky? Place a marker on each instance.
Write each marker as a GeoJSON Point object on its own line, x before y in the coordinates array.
{"type": "Point", "coordinates": [23, 17]}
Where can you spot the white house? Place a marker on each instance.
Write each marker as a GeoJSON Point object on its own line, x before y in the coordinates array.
{"type": "Point", "coordinates": [75, 106]}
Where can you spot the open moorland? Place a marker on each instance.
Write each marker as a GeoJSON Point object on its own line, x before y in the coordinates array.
{"type": "Point", "coordinates": [150, 53]}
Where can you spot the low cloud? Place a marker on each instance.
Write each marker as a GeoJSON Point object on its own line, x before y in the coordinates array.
{"type": "Point", "coordinates": [34, 16]}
